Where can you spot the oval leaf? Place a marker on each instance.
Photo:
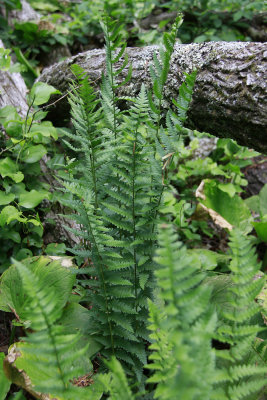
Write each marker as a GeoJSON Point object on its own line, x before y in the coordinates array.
{"type": "Point", "coordinates": [41, 92]}
{"type": "Point", "coordinates": [33, 153]}
{"type": "Point", "coordinates": [32, 199]}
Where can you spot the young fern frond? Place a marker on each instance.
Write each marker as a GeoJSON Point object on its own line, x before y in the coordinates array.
{"type": "Point", "coordinates": [159, 70]}
{"type": "Point", "coordinates": [173, 138]}
{"type": "Point", "coordinates": [115, 51]}
{"type": "Point", "coordinates": [183, 359]}
{"type": "Point", "coordinates": [115, 383]}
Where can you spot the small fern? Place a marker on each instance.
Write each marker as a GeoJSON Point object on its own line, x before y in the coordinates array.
{"type": "Point", "coordinates": [182, 356]}
{"type": "Point", "coordinates": [115, 383]}
{"type": "Point", "coordinates": [242, 376]}
{"type": "Point", "coordinates": [47, 353]}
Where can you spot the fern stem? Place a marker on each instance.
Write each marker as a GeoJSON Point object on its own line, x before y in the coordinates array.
{"type": "Point", "coordinates": [103, 282]}
{"type": "Point", "coordinates": [94, 176]}
{"type": "Point", "coordinates": [134, 227]}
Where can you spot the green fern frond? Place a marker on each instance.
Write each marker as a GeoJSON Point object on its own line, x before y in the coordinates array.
{"type": "Point", "coordinates": [47, 354]}
{"type": "Point", "coordinates": [183, 327]}
{"type": "Point", "coordinates": [115, 383]}
{"type": "Point", "coordinates": [246, 374]}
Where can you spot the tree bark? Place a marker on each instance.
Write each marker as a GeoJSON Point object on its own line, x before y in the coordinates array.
{"type": "Point", "coordinates": [230, 97]}
{"type": "Point", "coordinates": [13, 90]}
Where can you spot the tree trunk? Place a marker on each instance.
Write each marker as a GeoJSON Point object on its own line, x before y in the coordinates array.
{"type": "Point", "coordinates": [13, 90]}
{"type": "Point", "coordinates": [230, 95]}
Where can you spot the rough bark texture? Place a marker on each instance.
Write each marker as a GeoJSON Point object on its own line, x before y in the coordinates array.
{"type": "Point", "coordinates": [13, 90]}
{"type": "Point", "coordinates": [256, 175]}
{"type": "Point", "coordinates": [230, 97]}
{"type": "Point", "coordinates": [25, 14]}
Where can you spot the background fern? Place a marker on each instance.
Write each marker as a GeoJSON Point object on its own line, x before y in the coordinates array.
{"type": "Point", "coordinates": [243, 375]}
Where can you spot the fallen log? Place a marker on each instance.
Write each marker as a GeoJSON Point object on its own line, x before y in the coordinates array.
{"type": "Point", "coordinates": [230, 97]}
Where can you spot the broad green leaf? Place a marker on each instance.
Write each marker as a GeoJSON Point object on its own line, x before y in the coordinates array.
{"type": "Point", "coordinates": [35, 222]}
{"type": "Point", "coordinates": [9, 168]}
{"type": "Point", "coordinates": [9, 214]}
{"type": "Point", "coordinates": [52, 272]}
{"type": "Point", "coordinates": [78, 318]}
{"type": "Point", "coordinates": [4, 382]}
{"type": "Point", "coordinates": [8, 113]}
{"type": "Point", "coordinates": [33, 153]}
{"type": "Point", "coordinates": [41, 92]}
{"type": "Point", "coordinates": [12, 234]}
{"type": "Point", "coordinates": [22, 254]}
{"type": "Point", "coordinates": [11, 121]}
{"type": "Point", "coordinates": [45, 129]}
{"type": "Point", "coordinates": [261, 229]}
{"type": "Point", "coordinates": [200, 167]}
{"type": "Point", "coordinates": [228, 188]}
{"type": "Point", "coordinates": [33, 198]}
{"type": "Point", "coordinates": [27, 369]}
{"type": "Point", "coordinates": [55, 248]}
{"type": "Point", "coordinates": [209, 259]}
{"type": "Point", "coordinates": [253, 203]}
{"type": "Point", "coordinates": [5, 59]}
{"type": "Point", "coordinates": [6, 198]}
{"type": "Point", "coordinates": [233, 209]}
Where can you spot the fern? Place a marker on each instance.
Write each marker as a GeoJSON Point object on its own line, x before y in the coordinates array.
{"type": "Point", "coordinates": [182, 330]}
{"type": "Point", "coordinates": [46, 354]}
{"type": "Point", "coordinates": [173, 138]}
{"type": "Point", "coordinates": [114, 54]}
{"type": "Point", "coordinates": [159, 70]}
{"type": "Point", "coordinates": [115, 383]}
{"type": "Point", "coordinates": [88, 140]}
{"type": "Point", "coordinates": [242, 376]}
{"type": "Point", "coordinates": [115, 192]}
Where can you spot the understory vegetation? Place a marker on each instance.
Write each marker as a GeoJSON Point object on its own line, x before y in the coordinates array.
{"type": "Point", "coordinates": [161, 292]}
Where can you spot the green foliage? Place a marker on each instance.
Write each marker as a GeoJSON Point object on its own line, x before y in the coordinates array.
{"type": "Point", "coordinates": [258, 206]}
{"type": "Point", "coordinates": [47, 354]}
{"type": "Point", "coordinates": [241, 375]}
{"type": "Point", "coordinates": [115, 383]}
{"type": "Point", "coordinates": [4, 382]}
{"type": "Point", "coordinates": [117, 199]}
{"type": "Point", "coordinates": [51, 273]}
{"type": "Point", "coordinates": [25, 142]}
{"type": "Point", "coordinates": [182, 327]}
{"type": "Point", "coordinates": [37, 292]}
{"type": "Point", "coordinates": [125, 160]}
{"type": "Point", "coordinates": [216, 164]}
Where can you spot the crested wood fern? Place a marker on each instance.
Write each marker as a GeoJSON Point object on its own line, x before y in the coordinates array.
{"type": "Point", "coordinates": [116, 189]}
